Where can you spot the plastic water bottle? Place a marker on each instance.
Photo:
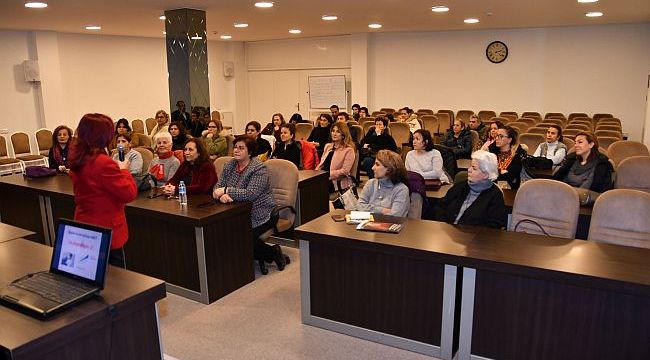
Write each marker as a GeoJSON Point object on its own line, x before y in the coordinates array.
{"type": "Point", "coordinates": [182, 193]}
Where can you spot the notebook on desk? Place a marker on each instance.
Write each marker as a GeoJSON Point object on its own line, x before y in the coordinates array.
{"type": "Point", "coordinates": [77, 272]}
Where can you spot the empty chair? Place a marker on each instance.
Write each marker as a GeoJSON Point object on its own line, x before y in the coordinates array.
{"type": "Point", "coordinates": [430, 123]}
{"type": "Point", "coordinates": [530, 121]}
{"type": "Point", "coordinates": [230, 139]}
{"type": "Point", "coordinates": [366, 119]}
{"type": "Point", "coordinates": [147, 156]}
{"type": "Point", "coordinates": [620, 216]}
{"type": "Point", "coordinates": [451, 115]}
{"type": "Point", "coordinates": [575, 115]}
{"type": "Point", "coordinates": [215, 115]}
{"type": "Point", "coordinates": [8, 165]}
{"type": "Point", "coordinates": [378, 113]}
{"type": "Point", "coordinates": [137, 126]}
{"type": "Point", "coordinates": [283, 175]}
{"type": "Point", "coordinates": [145, 141]}
{"type": "Point", "coordinates": [387, 110]}
{"type": "Point", "coordinates": [608, 121]}
{"type": "Point", "coordinates": [531, 141]}
{"type": "Point", "coordinates": [633, 173]}
{"type": "Point", "coordinates": [582, 127]}
{"type": "Point", "coordinates": [533, 114]}
{"type": "Point", "coordinates": [521, 126]}
{"type": "Point", "coordinates": [150, 123]}
{"type": "Point", "coordinates": [501, 119]}
{"type": "Point", "coordinates": [546, 204]}
{"type": "Point", "coordinates": [485, 115]}
{"type": "Point", "coordinates": [23, 150]}
{"type": "Point", "coordinates": [464, 115]}
{"type": "Point", "coordinates": [626, 148]}
{"type": "Point", "coordinates": [612, 133]}
{"type": "Point", "coordinates": [509, 113]}
{"type": "Point", "coordinates": [352, 122]}
{"type": "Point", "coordinates": [554, 121]}
{"type": "Point", "coordinates": [444, 123]}
{"type": "Point", "coordinates": [537, 130]}
{"type": "Point", "coordinates": [568, 142]}
{"type": "Point", "coordinates": [415, 208]}
{"type": "Point", "coordinates": [611, 126]}
{"type": "Point", "coordinates": [476, 140]}
{"type": "Point", "coordinates": [425, 111]}
{"type": "Point", "coordinates": [44, 141]}
{"type": "Point", "coordinates": [303, 130]}
{"type": "Point", "coordinates": [597, 117]}
{"type": "Point", "coordinates": [551, 114]}
{"type": "Point", "coordinates": [366, 127]}
{"type": "Point", "coordinates": [219, 163]}
{"type": "Point", "coordinates": [401, 133]}
{"type": "Point", "coordinates": [358, 134]}
{"type": "Point", "coordinates": [510, 117]}
{"type": "Point", "coordinates": [606, 141]}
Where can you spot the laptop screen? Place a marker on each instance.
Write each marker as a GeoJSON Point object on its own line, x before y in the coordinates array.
{"type": "Point", "coordinates": [81, 251]}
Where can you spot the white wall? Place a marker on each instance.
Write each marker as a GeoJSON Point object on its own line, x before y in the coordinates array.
{"type": "Point", "coordinates": [572, 69]}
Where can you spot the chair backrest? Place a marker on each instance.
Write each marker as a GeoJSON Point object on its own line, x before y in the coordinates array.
{"type": "Point", "coordinates": [571, 132]}
{"type": "Point", "coordinates": [510, 117]}
{"type": "Point", "coordinates": [4, 152]}
{"type": "Point", "coordinates": [426, 111]}
{"type": "Point", "coordinates": [476, 140]}
{"type": "Point", "coordinates": [366, 126]}
{"type": "Point", "coordinates": [606, 141]}
{"type": "Point", "coordinates": [151, 123]}
{"type": "Point", "coordinates": [355, 166]}
{"type": "Point", "coordinates": [377, 113]}
{"type": "Point", "coordinates": [537, 130]}
{"type": "Point", "coordinates": [529, 121]}
{"type": "Point", "coordinates": [444, 122]}
{"type": "Point", "coordinates": [626, 148]}
{"type": "Point", "coordinates": [303, 130]}
{"type": "Point", "coordinates": [485, 115]}
{"type": "Point", "coordinates": [633, 173]}
{"type": "Point", "coordinates": [44, 141]}
{"type": "Point", "coordinates": [430, 123]}
{"type": "Point", "coordinates": [464, 115]}
{"type": "Point", "coordinates": [587, 123]}
{"type": "Point", "coordinates": [451, 115]}
{"type": "Point", "coordinates": [620, 216]}
{"type": "Point", "coordinates": [599, 116]}
{"type": "Point", "coordinates": [612, 133]}
{"type": "Point", "coordinates": [554, 121]}
{"type": "Point", "coordinates": [283, 175]}
{"type": "Point", "coordinates": [215, 115]}
{"type": "Point", "coordinates": [509, 113]}
{"type": "Point", "coordinates": [145, 141]}
{"type": "Point", "coordinates": [575, 115]}
{"type": "Point", "coordinates": [520, 126]}
{"type": "Point", "coordinates": [609, 126]}
{"type": "Point", "coordinates": [137, 126]}
{"type": "Point", "coordinates": [219, 163]}
{"type": "Point", "coordinates": [230, 143]}
{"type": "Point", "coordinates": [401, 133]}
{"type": "Point", "coordinates": [533, 114]}
{"type": "Point", "coordinates": [499, 118]}
{"type": "Point", "coordinates": [147, 156]}
{"type": "Point", "coordinates": [415, 209]}
{"type": "Point", "coordinates": [550, 114]}
{"type": "Point", "coordinates": [387, 110]}
{"type": "Point", "coordinates": [583, 127]}
{"type": "Point", "coordinates": [569, 143]}
{"type": "Point", "coordinates": [608, 121]}
{"type": "Point", "coordinates": [366, 119]}
{"type": "Point", "coordinates": [553, 205]}
{"type": "Point", "coordinates": [531, 140]}
{"type": "Point", "coordinates": [20, 143]}
{"type": "Point", "coordinates": [358, 134]}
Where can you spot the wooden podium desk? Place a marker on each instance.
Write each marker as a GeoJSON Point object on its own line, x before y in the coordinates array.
{"type": "Point", "coordinates": [313, 197]}
{"type": "Point", "coordinates": [515, 295]}
{"type": "Point", "coordinates": [203, 251]}
{"type": "Point", "coordinates": [121, 323]}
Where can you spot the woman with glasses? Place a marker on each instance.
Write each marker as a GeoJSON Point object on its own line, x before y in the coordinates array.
{"type": "Point", "coordinates": [122, 128]}
{"type": "Point", "coordinates": [509, 156]}
{"type": "Point", "coordinates": [215, 143]}
{"type": "Point", "coordinates": [245, 178]}
{"type": "Point", "coordinates": [162, 123]}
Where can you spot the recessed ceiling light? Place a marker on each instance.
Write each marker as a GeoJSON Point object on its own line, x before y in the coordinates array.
{"type": "Point", "coordinates": [329, 17]}
{"type": "Point", "coordinates": [93, 27]}
{"type": "Point", "coordinates": [264, 4]}
{"type": "Point", "coordinates": [241, 25]}
{"type": "Point", "coordinates": [225, 37]}
{"type": "Point", "coordinates": [470, 21]}
{"type": "Point", "coordinates": [587, 1]}
{"type": "Point", "coordinates": [162, 17]}
{"type": "Point", "coordinates": [374, 26]}
{"type": "Point", "coordinates": [35, 5]}
{"type": "Point", "coordinates": [295, 31]}
{"type": "Point", "coordinates": [440, 9]}
{"type": "Point", "coordinates": [594, 14]}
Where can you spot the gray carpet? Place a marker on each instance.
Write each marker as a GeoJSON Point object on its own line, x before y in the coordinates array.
{"type": "Point", "coordinates": [259, 321]}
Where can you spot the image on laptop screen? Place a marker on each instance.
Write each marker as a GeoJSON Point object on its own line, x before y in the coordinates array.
{"type": "Point", "coordinates": [81, 250]}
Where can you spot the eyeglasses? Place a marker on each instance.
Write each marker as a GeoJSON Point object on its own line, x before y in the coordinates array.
{"type": "Point", "coordinates": [240, 148]}
{"type": "Point", "coordinates": [160, 117]}
{"type": "Point", "coordinates": [211, 127]}
{"type": "Point", "coordinates": [501, 136]}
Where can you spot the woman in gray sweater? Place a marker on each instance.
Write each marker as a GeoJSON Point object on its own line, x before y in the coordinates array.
{"type": "Point", "coordinates": [387, 192]}
{"type": "Point", "coordinates": [245, 178]}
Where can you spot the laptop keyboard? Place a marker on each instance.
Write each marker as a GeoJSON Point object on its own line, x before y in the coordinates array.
{"type": "Point", "coordinates": [53, 287]}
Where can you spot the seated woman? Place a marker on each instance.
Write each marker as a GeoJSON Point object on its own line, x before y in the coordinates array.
{"type": "Point", "coordinates": [132, 157]}
{"type": "Point", "coordinates": [459, 140]}
{"type": "Point", "coordinates": [263, 149]}
{"type": "Point", "coordinates": [58, 154]}
{"type": "Point", "coordinates": [491, 135]}
{"type": "Point", "coordinates": [387, 193]}
{"type": "Point", "coordinates": [245, 178]}
{"type": "Point", "coordinates": [338, 157]}
{"type": "Point", "coordinates": [216, 144]}
{"type": "Point", "coordinates": [288, 149]}
{"type": "Point", "coordinates": [376, 139]}
{"type": "Point", "coordinates": [586, 168]}
{"type": "Point", "coordinates": [197, 171]}
{"type": "Point", "coordinates": [165, 164]}
{"type": "Point", "coordinates": [509, 156]}
{"type": "Point", "coordinates": [363, 112]}
{"type": "Point", "coordinates": [478, 201]}
{"type": "Point", "coordinates": [321, 133]}
{"type": "Point", "coordinates": [553, 149]}
{"type": "Point", "coordinates": [179, 136]}
{"type": "Point", "coordinates": [162, 123]}
{"type": "Point", "coordinates": [424, 159]}
{"type": "Point", "coordinates": [406, 115]}
{"type": "Point", "coordinates": [273, 128]}
{"type": "Point", "coordinates": [122, 127]}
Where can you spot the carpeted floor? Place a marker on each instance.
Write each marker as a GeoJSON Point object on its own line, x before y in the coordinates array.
{"type": "Point", "coordinates": [259, 321]}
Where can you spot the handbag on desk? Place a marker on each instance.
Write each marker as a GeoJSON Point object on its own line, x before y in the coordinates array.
{"type": "Point", "coordinates": [348, 198]}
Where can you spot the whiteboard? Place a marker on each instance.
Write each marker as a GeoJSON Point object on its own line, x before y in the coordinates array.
{"type": "Point", "coordinates": [325, 91]}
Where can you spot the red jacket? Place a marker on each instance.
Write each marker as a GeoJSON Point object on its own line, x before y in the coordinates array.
{"type": "Point", "coordinates": [101, 190]}
{"type": "Point", "coordinates": [203, 178]}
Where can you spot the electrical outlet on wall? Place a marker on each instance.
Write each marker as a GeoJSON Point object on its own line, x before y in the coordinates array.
{"type": "Point", "coordinates": [4, 131]}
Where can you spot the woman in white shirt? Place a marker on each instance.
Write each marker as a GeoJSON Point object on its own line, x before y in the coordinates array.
{"type": "Point", "coordinates": [553, 148]}
{"type": "Point", "coordinates": [424, 159]}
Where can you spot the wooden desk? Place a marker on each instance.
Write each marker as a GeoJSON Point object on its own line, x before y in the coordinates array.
{"type": "Point", "coordinates": [313, 196]}
{"type": "Point", "coordinates": [8, 232]}
{"type": "Point", "coordinates": [122, 323]}
{"type": "Point", "coordinates": [202, 252]}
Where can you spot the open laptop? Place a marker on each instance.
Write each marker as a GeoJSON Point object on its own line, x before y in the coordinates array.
{"type": "Point", "coordinates": [77, 272]}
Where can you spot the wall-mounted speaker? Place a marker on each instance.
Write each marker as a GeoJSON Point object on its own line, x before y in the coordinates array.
{"type": "Point", "coordinates": [31, 70]}
{"type": "Point", "coordinates": [228, 69]}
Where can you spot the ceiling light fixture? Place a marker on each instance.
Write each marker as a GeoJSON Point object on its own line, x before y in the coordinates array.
{"type": "Point", "coordinates": [470, 21]}
{"type": "Point", "coordinates": [35, 5]}
{"type": "Point", "coordinates": [329, 17]}
{"type": "Point", "coordinates": [587, 1]}
{"type": "Point", "coordinates": [264, 4]}
{"type": "Point", "coordinates": [374, 26]}
{"type": "Point", "coordinates": [225, 37]}
{"type": "Point", "coordinates": [295, 31]}
{"type": "Point", "coordinates": [162, 17]}
{"type": "Point", "coordinates": [241, 25]}
{"type": "Point", "coordinates": [594, 14]}
{"type": "Point", "coordinates": [440, 9]}
{"type": "Point", "coordinates": [93, 27]}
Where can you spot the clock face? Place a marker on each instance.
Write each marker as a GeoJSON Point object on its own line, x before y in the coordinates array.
{"type": "Point", "coordinates": [496, 52]}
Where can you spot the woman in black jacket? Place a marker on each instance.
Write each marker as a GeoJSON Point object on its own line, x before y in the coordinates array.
{"type": "Point", "coordinates": [459, 139]}
{"type": "Point", "coordinates": [320, 135]}
{"type": "Point", "coordinates": [509, 156]}
{"type": "Point", "coordinates": [288, 149]}
{"type": "Point", "coordinates": [586, 167]}
{"type": "Point", "coordinates": [478, 201]}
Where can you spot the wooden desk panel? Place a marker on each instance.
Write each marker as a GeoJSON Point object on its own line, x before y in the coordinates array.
{"type": "Point", "coordinates": [313, 195]}
{"type": "Point", "coordinates": [8, 232]}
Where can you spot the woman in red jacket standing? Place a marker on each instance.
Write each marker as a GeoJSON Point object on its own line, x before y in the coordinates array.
{"type": "Point", "coordinates": [102, 187]}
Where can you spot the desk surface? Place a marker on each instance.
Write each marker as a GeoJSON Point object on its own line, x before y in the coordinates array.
{"type": "Point", "coordinates": [304, 175]}
{"type": "Point", "coordinates": [9, 232]}
{"type": "Point", "coordinates": [125, 290]}
{"type": "Point", "coordinates": [500, 250]}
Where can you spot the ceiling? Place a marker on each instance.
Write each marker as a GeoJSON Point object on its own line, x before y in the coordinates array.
{"type": "Point", "coordinates": [140, 17]}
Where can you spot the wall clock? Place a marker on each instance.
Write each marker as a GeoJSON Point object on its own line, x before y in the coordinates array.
{"type": "Point", "coordinates": [496, 52]}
